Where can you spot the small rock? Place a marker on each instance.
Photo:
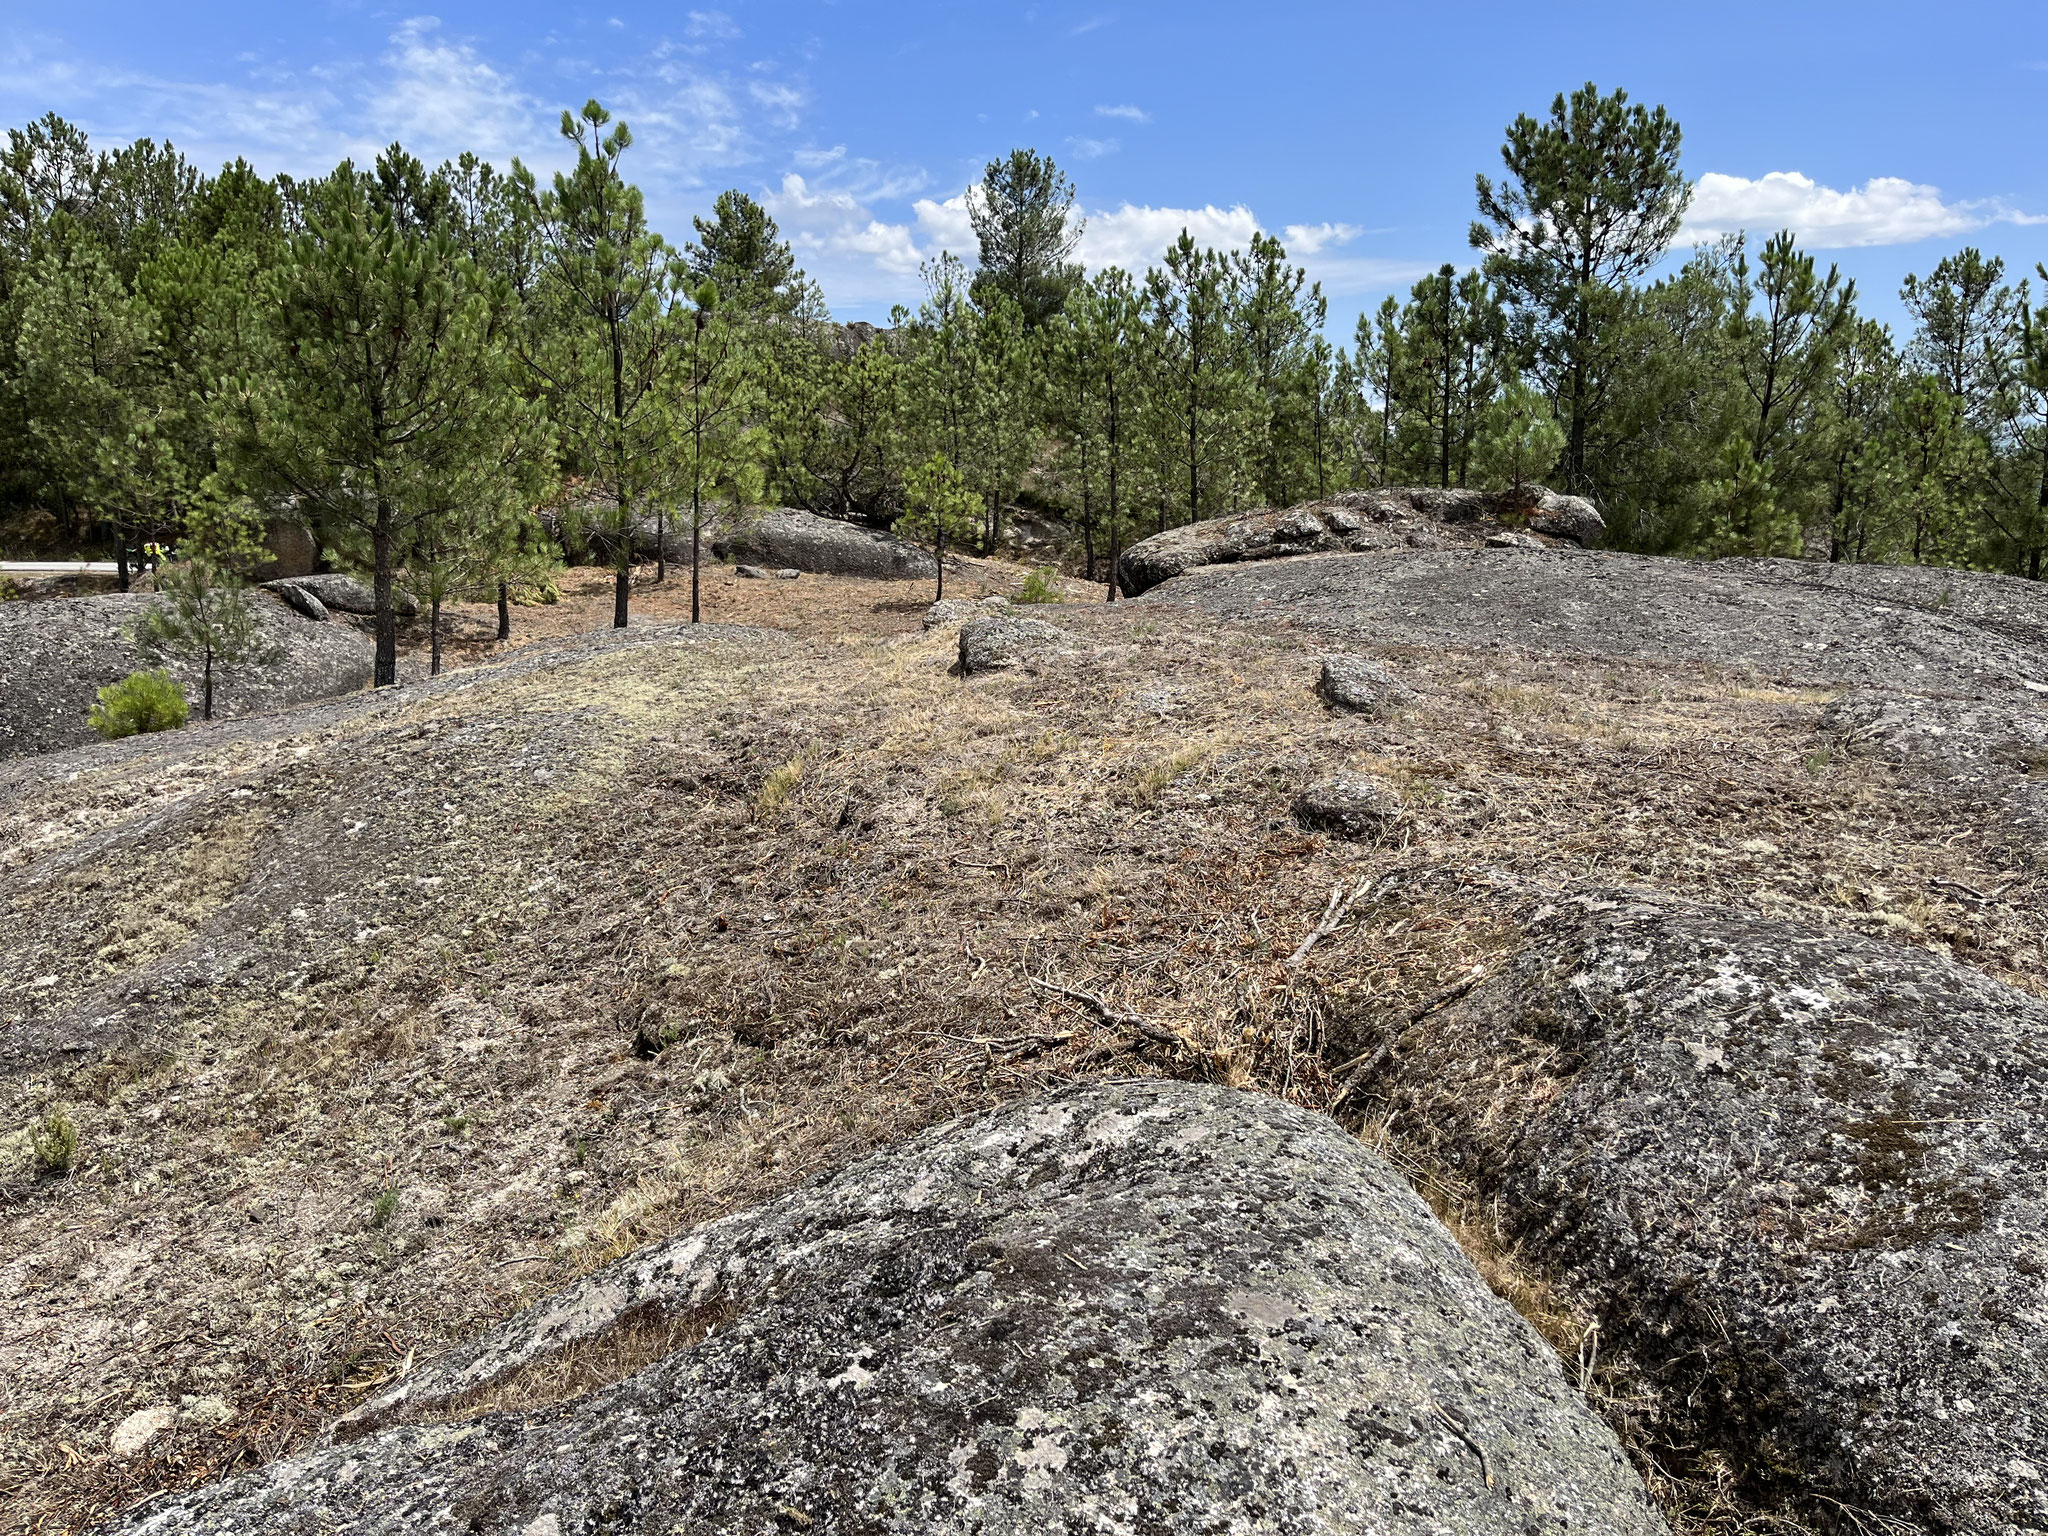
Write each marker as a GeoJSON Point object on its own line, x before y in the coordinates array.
{"type": "Point", "coordinates": [958, 610]}
{"type": "Point", "coordinates": [788, 573]}
{"type": "Point", "coordinates": [750, 572]}
{"type": "Point", "coordinates": [1348, 806]}
{"type": "Point", "coordinates": [1359, 685]}
{"type": "Point", "coordinates": [991, 644]}
{"type": "Point", "coordinates": [1507, 539]}
{"type": "Point", "coordinates": [139, 1428]}
{"type": "Point", "coordinates": [300, 601]}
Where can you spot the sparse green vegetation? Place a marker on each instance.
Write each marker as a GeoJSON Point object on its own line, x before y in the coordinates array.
{"type": "Point", "coordinates": [53, 1143]}
{"type": "Point", "coordinates": [1042, 586]}
{"type": "Point", "coordinates": [383, 1209]}
{"type": "Point", "coordinates": [140, 703]}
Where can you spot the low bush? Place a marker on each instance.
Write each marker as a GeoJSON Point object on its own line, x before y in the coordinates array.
{"type": "Point", "coordinates": [54, 1143]}
{"type": "Point", "coordinates": [138, 704]}
{"type": "Point", "coordinates": [1042, 586]}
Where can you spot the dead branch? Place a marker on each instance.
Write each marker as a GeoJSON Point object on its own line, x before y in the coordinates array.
{"type": "Point", "coordinates": [1115, 1017]}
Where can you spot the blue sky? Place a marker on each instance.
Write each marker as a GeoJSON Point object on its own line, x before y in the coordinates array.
{"type": "Point", "coordinates": [1887, 134]}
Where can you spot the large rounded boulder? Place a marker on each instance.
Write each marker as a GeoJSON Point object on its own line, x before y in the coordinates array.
{"type": "Point", "coordinates": [1130, 1306]}
{"type": "Point", "coordinates": [55, 657]}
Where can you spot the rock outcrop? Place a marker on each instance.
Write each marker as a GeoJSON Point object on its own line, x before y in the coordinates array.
{"type": "Point", "coordinates": [55, 656]}
{"type": "Point", "coordinates": [1800, 1175]}
{"type": "Point", "coordinates": [1355, 521]}
{"type": "Point", "coordinates": [1860, 627]}
{"type": "Point", "coordinates": [958, 610]}
{"type": "Point", "coordinates": [1132, 1305]}
{"type": "Point", "coordinates": [346, 594]}
{"type": "Point", "coordinates": [1348, 805]}
{"type": "Point", "coordinates": [804, 541]}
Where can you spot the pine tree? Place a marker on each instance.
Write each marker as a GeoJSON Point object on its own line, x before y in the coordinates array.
{"type": "Point", "coordinates": [711, 416]}
{"type": "Point", "coordinates": [609, 338]}
{"type": "Point", "coordinates": [740, 250]}
{"type": "Point", "coordinates": [205, 618]}
{"type": "Point", "coordinates": [1278, 315]}
{"type": "Point", "coordinates": [1197, 391]}
{"type": "Point", "coordinates": [385, 395]}
{"type": "Point", "coordinates": [1024, 220]}
{"type": "Point", "coordinates": [937, 505]}
{"type": "Point", "coordinates": [1592, 199]}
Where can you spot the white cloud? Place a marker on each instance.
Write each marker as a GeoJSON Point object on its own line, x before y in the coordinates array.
{"type": "Point", "coordinates": [1093, 149]}
{"type": "Point", "coordinates": [1135, 236]}
{"type": "Point", "coordinates": [712, 24]}
{"type": "Point", "coordinates": [1885, 210]}
{"type": "Point", "coordinates": [860, 259]}
{"type": "Point", "coordinates": [947, 226]}
{"type": "Point", "coordinates": [443, 98]}
{"type": "Point", "coordinates": [1127, 112]}
{"type": "Point", "coordinates": [1310, 239]}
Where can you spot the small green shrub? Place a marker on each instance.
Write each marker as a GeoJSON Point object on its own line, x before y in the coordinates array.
{"type": "Point", "coordinates": [11, 590]}
{"type": "Point", "coordinates": [1042, 586]}
{"type": "Point", "coordinates": [386, 1206]}
{"type": "Point", "coordinates": [54, 1143]}
{"type": "Point", "coordinates": [138, 704]}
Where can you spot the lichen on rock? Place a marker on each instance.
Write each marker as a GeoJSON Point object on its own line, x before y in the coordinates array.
{"type": "Point", "coordinates": [1130, 1305]}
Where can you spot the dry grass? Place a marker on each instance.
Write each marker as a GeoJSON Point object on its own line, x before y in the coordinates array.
{"type": "Point", "coordinates": [767, 911]}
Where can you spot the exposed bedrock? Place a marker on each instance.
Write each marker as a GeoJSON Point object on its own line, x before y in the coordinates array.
{"type": "Point", "coordinates": [1352, 521]}
{"type": "Point", "coordinates": [1801, 1176]}
{"type": "Point", "coordinates": [1129, 1306]}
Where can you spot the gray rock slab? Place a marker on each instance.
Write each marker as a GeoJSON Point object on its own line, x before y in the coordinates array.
{"type": "Point", "coordinates": [1861, 627]}
{"type": "Point", "coordinates": [1801, 1175]}
{"type": "Point", "coordinates": [349, 595]}
{"type": "Point", "coordinates": [299, 600]}
{"type": "Point", "coordinates": [1130, 1306]}
{"type": "Point", "coordinates": [958, 610]}
{"type": "Point", "coordinates": [55, 656]}
{"type": "Point", "coordinates": [1353, 521]}
{"type": "Point", "coordinates": [803, 541]}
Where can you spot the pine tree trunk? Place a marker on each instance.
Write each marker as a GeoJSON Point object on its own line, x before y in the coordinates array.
{"type": "Point", "coordinates": [382, 554]}
{"type": "Point", "coordinates": [434, 638]}
{"type": "Point", "coordinates": [696, 557]}
{"type": "Point", "coordinates": [121, 557]}
{"type": "Point", "coordinates": [623, 576]}
{"type": "Point", "coordinates": [206, 688]}
{"type": "Point", "coordinates": [939, 555]}
{"type": "Point", "coordinates": [661, 546]}
{"type": "Point", "coordinates": [504, 613]}
{"type": "Point", "coordinates": [1113, 455]}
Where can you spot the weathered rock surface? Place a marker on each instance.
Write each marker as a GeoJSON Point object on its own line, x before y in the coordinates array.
{"type": "Point", "coordinates": [55, 657]}
{"type": "Point", "coordinates": [290, 549]}
{"type": "Point", "coordinates": [1359, 685]}
{"type": "Point", "coordinates": [804, 541]}
{"type": "Point", "coordinates": [995, 643]}
{"type": "Point", "coordinates": [1803, 1176]}
{"type": "Point", "coordinates": [1137, 1306]}
{"type": "Point", "coordinates": [1349, 805]}
{"type": "Point", "coordinates": [1355, 521]}
{"type": "Point", "coordinates": [299, 600]}
{"type": "Point", "coordinates": [1784, 619]}
{"type": "Point", "coordinates": [1993, 751]}
{"type": "Point", "coordinates": [349, 595]}
{"type": "Point", "coordinates": [958, 610]}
